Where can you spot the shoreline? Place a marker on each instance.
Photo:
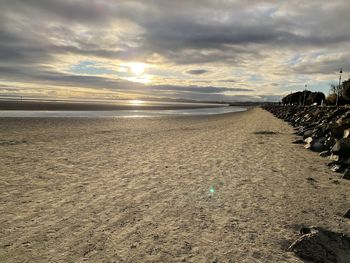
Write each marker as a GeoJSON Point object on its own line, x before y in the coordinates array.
{"type": "Point", "coordinates": [141, 190]}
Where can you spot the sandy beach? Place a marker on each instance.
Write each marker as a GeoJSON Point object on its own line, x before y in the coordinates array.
{"type": "Point", "coordinates": [182, 189]}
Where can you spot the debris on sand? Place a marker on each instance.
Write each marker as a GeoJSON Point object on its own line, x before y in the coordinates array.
{"type": "Point", "coordinates": [265, 132]}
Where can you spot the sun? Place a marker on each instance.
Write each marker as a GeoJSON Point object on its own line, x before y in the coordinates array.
{"type": "Point", "coordinates": [137, 68]}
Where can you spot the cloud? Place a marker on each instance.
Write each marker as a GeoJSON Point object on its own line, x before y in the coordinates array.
{"type": "Point", "coordinates": [227, 80]}
{"type": "Point", "coordinates": [276, 41]}
{"type": "Point", "coordinates": [197, 71]}
{"type": "Point", "coordinates": [112, 84]}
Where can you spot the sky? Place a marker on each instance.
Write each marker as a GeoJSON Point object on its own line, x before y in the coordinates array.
{"type": "Point", "coordinates": [217, 50]}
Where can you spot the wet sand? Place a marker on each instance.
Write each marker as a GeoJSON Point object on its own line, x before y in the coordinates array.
{"type": "Point", "coordinates": [185, 189]}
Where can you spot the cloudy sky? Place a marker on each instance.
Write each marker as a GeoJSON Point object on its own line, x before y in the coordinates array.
{"type": "Point", "coordinates": [194, 49]}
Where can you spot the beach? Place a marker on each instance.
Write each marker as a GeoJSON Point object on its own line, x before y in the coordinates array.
{"type": "Point", "coordinates": [224, 188]}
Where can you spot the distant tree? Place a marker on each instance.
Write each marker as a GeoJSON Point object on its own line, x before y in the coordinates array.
{"type": "Point", "coordinates": [315, 97]}
{"type": "Point", "coordinates": [305, 97]}
{"type": "Point", "coordinates": [334, 92]}
{"type": "Point", "coordinates": [331, 99]}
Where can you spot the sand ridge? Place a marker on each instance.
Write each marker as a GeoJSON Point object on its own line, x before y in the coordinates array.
{"type": "Point", "coordinates": [139, 190]}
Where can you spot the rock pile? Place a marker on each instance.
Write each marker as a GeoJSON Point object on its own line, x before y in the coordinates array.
{"type": "Point", "coordinates": [324, 129]}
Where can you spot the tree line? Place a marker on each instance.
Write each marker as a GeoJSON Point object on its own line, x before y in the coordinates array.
{"type": "Point", "coordinates": [307, 97]}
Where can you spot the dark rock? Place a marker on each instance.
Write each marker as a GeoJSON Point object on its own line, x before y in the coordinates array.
{"type": "Point", "coordinates": [305, 230]}
{"type": "Point", "coordinates": [314, 144]}
{"type": "Point", "coordinates": [347, 214]}
{"type": "Point", "coordinates": [338, 132]}
{"type": "Point", "coordinates": [307, 133]}
{"type": "Point", "coordinates": [331, 163]}
{"type": "Point", "coordinates": [346, 161]}
{"type": "Point", "coordinates": [330, 142]}
{"type": "Point", "coordinates": [337, 168]}
{"type": "Point", "coordinates": [342, 146]}
{"type": "Point", "coordinates": [317, 146]}
{"type": "Point", "coordinates": [346, 174]}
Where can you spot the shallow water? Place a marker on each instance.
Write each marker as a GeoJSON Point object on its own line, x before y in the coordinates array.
{"type": "Point", "coordinates": [120, 113]}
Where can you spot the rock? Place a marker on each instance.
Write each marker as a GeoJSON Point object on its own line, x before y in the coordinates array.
{"type": "Point", "coordinates": [342, 146]}
{"type": "Point", "coordinates": [346, 161]}
{"type": "Point", "coordinates": [337, 168]}
{"type": "Point", "coordinates": [338, 132]}
{"type": "Point", "coordinates": [305, 230]}
{"type": "Point", "coordinates": [313, 144]}
{"type": "Point", "coordinates": [319, 245]}
{"type": "Point", "coordinates": [324, 129]}
{"type": "Point", "coordinates": [347, 214]}
{"type": "Point", "coordinates": [325, 153]}
{"type": "Point", "coordinates": [331, 163]}
{"type": "Point", "coordinates": [308, 140]}
{"type": "Point", "coordinates": [330, 142]}
{"type": "Point", "coordinates": [307, 133]}
{"type": "Point", "coordinates": [317, 146]}
{"type": "Point", "coordinates": [346, 174]}
{"type": "Point", "coordinates": [334, 157]}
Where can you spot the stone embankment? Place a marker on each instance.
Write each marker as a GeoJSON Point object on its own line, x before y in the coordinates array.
{"type": "Point", "coordinates": [323, 129]}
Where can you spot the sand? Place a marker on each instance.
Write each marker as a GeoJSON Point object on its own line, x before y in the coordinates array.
{"type": "Point", "coordinates": [181, 189]}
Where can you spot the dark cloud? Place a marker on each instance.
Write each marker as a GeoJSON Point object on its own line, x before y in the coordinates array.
{"type": "Point", "coordinates": [227, 80]}
{"type": "Point", "coordinates": [197, 71]}
{"type": "Point", "coordinates": [198, 89]}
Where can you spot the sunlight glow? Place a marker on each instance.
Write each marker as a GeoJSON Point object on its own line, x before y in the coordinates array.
{"type": "Point", "coordinates": [137, 68]}
{"type": "Point", "coordinates": [136, 102]}
{"type": "Point", "coordinates": [140, 79]}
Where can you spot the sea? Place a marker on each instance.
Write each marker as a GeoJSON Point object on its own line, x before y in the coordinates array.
{"type": "Point", "coordinates": [212, 109]}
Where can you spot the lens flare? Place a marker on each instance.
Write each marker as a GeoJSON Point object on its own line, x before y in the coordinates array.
{"type": "Point", "coordinates": [211, 190]}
